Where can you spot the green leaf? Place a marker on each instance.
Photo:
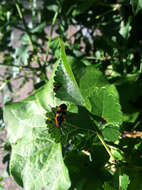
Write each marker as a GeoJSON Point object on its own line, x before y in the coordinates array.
{"type": "Point", "coordinates": [91, 79]}
{"type": "Point", "coordinates": [136, 6]}
{"type": "Point", "coordinates": [103, 97]}
{"type": "Point", "coordinates": [54, 46]}
{"type": "Point", "coordinates": [106, 105]}
{"type": "Point", "coordinates": [64, 79]}
{"type": "Point", "coordinates": [66, 64]}
{"type": "Point", "coordinates": [77, 67]}
{"type": "Point", "coordinates": [36, 159]}
{"type": "Point", "coordinates": [53, 7]}
{"type": "Point", "coordinates": [110, 133]}
{"type": "Point", "coordinates": [67, 91]}
{"type": "Point", "coordinates": [124, 181]}
{"type": "Point", "coordinates": [38, 163]}
{"type": "Point", "coordinates": [39, 28]}
{"type": "Point", "coordinates": [21, 55]}
{"type": "Point", "coordinates": [118, 154]}
{"type": "Point", "coordinates": [48, 100]}
{"type": "Point", "coordinates": [125, 29]}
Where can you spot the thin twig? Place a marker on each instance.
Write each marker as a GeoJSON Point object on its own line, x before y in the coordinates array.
{"type": "Point", "coordinates": [105, 145]}
{"type": "Point", "coordinates": [24, 23]}
{"type": "Point", "coordinates": [20, 67]}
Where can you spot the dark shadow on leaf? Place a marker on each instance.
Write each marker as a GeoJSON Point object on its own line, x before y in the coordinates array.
{"type": "Point", "coordinates": [83, 173]}
{"type": "Point", "coordinates": [82, 119]}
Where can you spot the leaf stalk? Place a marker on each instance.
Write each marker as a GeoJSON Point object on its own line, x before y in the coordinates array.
{"type": "Point", "coordinates": [105, 145]}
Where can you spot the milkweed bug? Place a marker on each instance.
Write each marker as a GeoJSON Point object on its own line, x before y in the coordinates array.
{"type": "Point", "coordinates": [60, 114]}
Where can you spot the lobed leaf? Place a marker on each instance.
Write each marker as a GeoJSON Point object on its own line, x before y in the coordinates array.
{"type": "Point", "coordinates": [36, 159]}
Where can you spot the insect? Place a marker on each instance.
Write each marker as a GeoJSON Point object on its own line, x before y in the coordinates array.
{"type": "Point", "coordinates": [60, 114]}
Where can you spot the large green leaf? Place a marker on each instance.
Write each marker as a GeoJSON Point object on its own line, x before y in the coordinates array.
{"type": "Point", "coordinates": [37, 162]}
{"type": "Point", "coordinates": [36, 159]}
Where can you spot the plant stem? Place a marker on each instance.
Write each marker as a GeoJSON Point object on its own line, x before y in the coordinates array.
{"type": "Point", "coordinates": [20, 67]}
{"type": "Point", "coordinates": [24, 23]}
{"type": "Point", "coordinates": [105, 145]}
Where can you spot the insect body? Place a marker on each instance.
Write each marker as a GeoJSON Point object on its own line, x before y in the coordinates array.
{"type": "Point", "coordinates": [60, 114]}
